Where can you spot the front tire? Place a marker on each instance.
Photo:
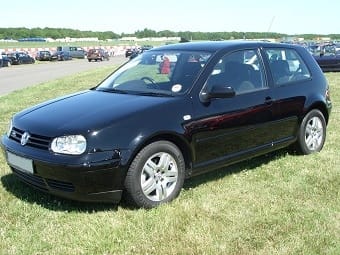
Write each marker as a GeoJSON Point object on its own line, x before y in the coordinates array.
{"type": "Point", "coordinates": [312, 133]}
{"type": "Point", "coordinates": [155, 176]}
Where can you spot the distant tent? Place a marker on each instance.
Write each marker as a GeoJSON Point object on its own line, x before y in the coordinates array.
{"type": "Point", "coordinates": [32, 39]}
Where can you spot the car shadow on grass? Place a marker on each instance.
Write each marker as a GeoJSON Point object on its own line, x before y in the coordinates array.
{"type": "Point", "coordinates": [30, 195]}
{"type": "Point", "coordinates": [245, 165]}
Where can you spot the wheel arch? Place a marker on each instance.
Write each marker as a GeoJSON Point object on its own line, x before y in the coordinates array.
{"type": "Point", "coordinates": [182, 144]}
{"type": "Point", "coordinates": [321, 107]}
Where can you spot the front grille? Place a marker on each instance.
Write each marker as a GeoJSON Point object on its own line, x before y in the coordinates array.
{"type": "Point", "coordinates": [36, 141]}
{"type": "Point", "coordinates": [43, 184]}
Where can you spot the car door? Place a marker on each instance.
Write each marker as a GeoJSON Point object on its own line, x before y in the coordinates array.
{"type": "Point", "coordinates": [228, 129]}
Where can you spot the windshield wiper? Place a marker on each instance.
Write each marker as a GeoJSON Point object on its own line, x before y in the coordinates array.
{"type": "Point", "coordinates": [142, 93]}
{"type": "Point", "coordinates": [157, 94]}
{"type": "Point", "coordinates": [112, 90]}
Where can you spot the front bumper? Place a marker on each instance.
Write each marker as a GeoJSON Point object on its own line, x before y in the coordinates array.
{"type": "Point", "coordinates": [95, 177]}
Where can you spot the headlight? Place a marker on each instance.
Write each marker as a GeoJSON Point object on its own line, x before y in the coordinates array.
{"type": "Point", "coordinates": [71, 144]}
{"type": "Point", "coordinates": [10, 126]}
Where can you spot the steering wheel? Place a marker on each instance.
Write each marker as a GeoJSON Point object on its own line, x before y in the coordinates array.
{"type": "Point", "coordinates": [152, 83]}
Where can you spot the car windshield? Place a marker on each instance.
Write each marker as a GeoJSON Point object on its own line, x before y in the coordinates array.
{"type": "Point", "coordinates": [157, 73]}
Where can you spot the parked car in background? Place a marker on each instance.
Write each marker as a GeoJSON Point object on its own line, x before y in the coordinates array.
{"type": "Point", "coordinates": [43, 55]}
{"type": "Point", "coordinates": [18, 58]}
{"type": "Point", "coordinates": [73, 51]}
{"type": "Point", "coordinates": [328, 62]}
{"type": "Point", "coordinates": [6, 61]}
{"type": "Point", "coordinates": [135, 52]}
{"type": "Point", "coordinates": [140, 133]}
{"type": "Point", "coordinates": [327, 56]}
{"type": "Point", "coordinates": [129, 52]}
{"type": "Point", "coordinates": [61, 56]}
{"type": "Point", "coordinates": [97, 54]}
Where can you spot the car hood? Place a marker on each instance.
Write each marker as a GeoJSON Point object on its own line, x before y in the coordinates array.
{"type": "Point", "coordinates": [84, 112]}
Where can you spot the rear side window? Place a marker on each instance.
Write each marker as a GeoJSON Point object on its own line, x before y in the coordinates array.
{"type": "Point", "coordinates": [286, 66]}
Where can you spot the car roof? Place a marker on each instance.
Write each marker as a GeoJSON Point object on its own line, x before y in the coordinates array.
{"type": "Point", "coordinates": [214, 46]}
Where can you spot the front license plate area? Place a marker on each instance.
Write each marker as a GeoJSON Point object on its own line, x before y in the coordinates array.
{"type": "Point", "coordinates": [20, 163]}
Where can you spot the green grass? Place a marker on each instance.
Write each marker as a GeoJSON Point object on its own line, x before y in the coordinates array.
{"type": "Point", "coordinates": [275, 204]}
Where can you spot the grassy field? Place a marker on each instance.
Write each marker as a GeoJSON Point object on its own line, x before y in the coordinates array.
{"type": "Point", "coordinates": [275, 204]}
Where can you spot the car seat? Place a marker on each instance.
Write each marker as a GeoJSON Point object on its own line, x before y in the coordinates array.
{"type": "Point", "coordinates": [280, 71]}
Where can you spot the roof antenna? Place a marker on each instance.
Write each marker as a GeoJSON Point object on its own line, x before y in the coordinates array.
{"type": "Point", "coordinates": [270, 24]}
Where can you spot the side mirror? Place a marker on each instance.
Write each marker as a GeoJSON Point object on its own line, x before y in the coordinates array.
{"type": "Point", "coordinates": [217, 91]}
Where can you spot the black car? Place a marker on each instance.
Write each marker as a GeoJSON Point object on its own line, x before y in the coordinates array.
{"type": "Point", "coordinates": [18, 58]}
{"type": "Point", "coordinates": [129, 52]}
{"type": "Point", "coordinates": [135, 52]}
{"type": "Point", "coordinates": [43, 55]}
{"type": "Point", "coordinates": [61, 56]}
{"type": "Point", "coordinates": [141, 132]}
{"type": "Point", "coordinates": [327, 56]}
{"type": "Point", "coordinates": [328, 62]}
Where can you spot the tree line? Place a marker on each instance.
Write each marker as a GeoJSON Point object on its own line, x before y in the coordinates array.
{"type": "Point", "coordinates": [54, 33]}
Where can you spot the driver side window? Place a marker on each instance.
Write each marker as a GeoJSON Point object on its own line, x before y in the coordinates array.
{"type": "Point", "coordinates": [240, 70]}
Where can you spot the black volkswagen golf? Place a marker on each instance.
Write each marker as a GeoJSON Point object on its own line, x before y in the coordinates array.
{"type": "Point", "coordinates": [170, 113]}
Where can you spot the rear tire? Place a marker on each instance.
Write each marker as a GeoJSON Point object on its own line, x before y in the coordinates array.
{"type": "Point", "coordinates": [312, 133]}
{"type": "Point", "coordinates": [155, 176]}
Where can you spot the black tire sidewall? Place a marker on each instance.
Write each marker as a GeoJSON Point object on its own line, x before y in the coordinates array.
{"type": "Point", "coordinates": [133, 190]}
{"type": "Point", "coordinates": [302, 146]}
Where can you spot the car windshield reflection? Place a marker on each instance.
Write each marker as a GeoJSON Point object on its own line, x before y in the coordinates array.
{"type": "Point", "coordinates": [157, 73]}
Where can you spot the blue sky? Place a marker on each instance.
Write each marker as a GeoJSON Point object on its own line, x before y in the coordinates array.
{"type": "Point", "coordinates": [287, 16]}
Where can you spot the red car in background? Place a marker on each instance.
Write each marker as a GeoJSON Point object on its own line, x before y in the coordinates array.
{"type": "Point", "coordinates": [97, 54]}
